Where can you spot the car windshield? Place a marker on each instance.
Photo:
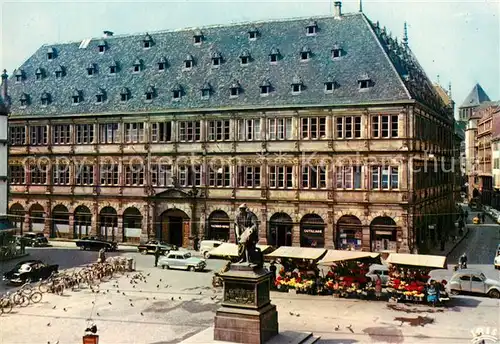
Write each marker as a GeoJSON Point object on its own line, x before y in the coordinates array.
{"type": "Point", "coordinates": [187, 255]}
{"type": "Point", "coordinates": [482, 276]}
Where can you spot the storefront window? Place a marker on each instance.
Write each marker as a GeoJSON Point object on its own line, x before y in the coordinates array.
{"type": "Point", "coordinates": [312, 231]}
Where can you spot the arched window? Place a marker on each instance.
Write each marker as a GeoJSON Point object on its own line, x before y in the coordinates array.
{"type": "Point", "coordinates": [312, 231]}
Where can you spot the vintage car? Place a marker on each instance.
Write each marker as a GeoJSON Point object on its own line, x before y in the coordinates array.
{"type": "Point", "coordinates": [381, 270]}
{"type": "Point", "coordinates": [208, 245]}
{"type": "Point", "coordinates": [182, 260]}
{"type": "Point", "coordinates": [93, 243]}
{"type": "Point", "coordinates": [470, 281]}
{"type": "Point", "coordinates": [150, 247]}
{"type": "Point", "coordinates": [496, 261]}
{"type": "Point", "coordinates": [34, 239]}
{"type": "Point", "coordinates": [29, 271]}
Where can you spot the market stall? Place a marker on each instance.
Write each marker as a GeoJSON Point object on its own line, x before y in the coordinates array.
{"type": "Point", "coordinates": [409, 278]}
{"type": "Point", "coordinates": [347, 276]}
{"type": "Point", "coordinates": [229, 251]}
{"type": "Point", "coordinates": [299, 272]}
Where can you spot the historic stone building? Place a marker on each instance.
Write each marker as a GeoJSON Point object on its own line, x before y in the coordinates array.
{"type": "Point", "coordinates": [321, 126]}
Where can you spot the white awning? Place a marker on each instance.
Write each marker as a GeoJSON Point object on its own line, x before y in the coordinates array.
{"type": "Point", "coordinates": [438, 262]}
{"type": "Point", "coordinates": [309, 253]}
{"type": "Point", "coordinates": [333, 256]}
{"type": "Point", "coordinates": [231, 250]}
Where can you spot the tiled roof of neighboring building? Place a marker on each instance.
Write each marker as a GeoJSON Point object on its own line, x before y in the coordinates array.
{"type": "Point", "coordinates": [476, 96]}
{"type": "Point", "coordinates": [229, 55]}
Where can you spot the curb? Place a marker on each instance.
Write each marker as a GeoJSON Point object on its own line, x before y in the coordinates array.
{"type": "Point", "coordinates": [73, 240]}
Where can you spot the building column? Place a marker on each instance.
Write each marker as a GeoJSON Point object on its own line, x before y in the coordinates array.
{"type": "Point", "coordinates": [329, 231]}
{"type": "Point", "coordinates": [263, 227]}
{"type": "Point", "coordinates": [48, 222]}
{"type": "Point", "coordinates": [71, 225]}
{"type": "Point", "coordinates": [119, 231]}
{"type": "Point", "coordinates": [27, 222]}
{"type": "Point", "coordinates": [94, 228]}
{"type": "Point", "coordinates": [296, 234]}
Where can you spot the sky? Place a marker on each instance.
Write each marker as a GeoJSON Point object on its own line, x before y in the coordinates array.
{"type": "Point", "coordinates": [455, 41]}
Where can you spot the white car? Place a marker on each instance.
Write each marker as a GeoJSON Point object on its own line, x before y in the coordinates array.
{"type": "Point", "coordinates": [496, 261]}
{"type": "Point", "coordinates": [182, 260]}
{"type": "Point", "coordinates": [381, 270]}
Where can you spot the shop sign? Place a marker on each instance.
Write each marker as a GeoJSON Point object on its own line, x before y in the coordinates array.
{"type": "Point", "coordinates": [313, 231]}
{"type": "Point", "coordinates": [220, 225]}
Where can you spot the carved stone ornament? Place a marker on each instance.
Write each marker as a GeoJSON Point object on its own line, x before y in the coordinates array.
{"type": "Point", "coordinates": [240, 296]}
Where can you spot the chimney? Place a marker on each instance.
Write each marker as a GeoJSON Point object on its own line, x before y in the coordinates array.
{"type": "Point", "coordinates": [4, 86]}
{"type": "Point", "coordinates": [337, 12]}
{"type": "Point", "coordinates": [108, 34]}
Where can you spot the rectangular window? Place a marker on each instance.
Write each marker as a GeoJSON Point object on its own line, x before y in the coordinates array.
{"type": "Point", "coordinates": [38, 135]}
{"type": "Point", "coordinates": [61, 134]}
{"type": "Point", "coordinates": [60, 174]}
{"type": "Point", "coordinates": [161, 132]}
{"type": "Point", "coordinates": [109, 174]}
{"type": "Point", "coordinates": [110, 133]}
{"type": "Point", "coordinates": [249, 176]}
{"type": "Point", "coordinates": [313, 177]}
{"type": "Point", "coordinates": [134, 174]}
{"type": "Point", "coordinates": [84, 174]}
{"type": "Point", "coordinates": [189, 175]}
{"type": "Point", "coordinates": [385, 126]}
{"type": "Point", "coordinates": [219, 130]}
{"type": "Point", "coordinates": [280, 128]}
{"type": "Point", "coordinates": [249, 129]}
{"type": "Point", "coordinates": [219, 176]}
{"type": "Point", "coordinates": [84, 133]}
{"type": "Point", "coordinates": [189, 131]}
{"type": "Point", "coordinates": [348, 127]}
{"type": "Point", "coordinates": [348, 177]}
{"type": "Point", "coordinates": [161, 175]}
{"type": "Point", "coordinates": [384, 178]}
{"type": "Point", "coordinates": [281, 177]}
{"type": "Point", "coordinates": [134, 132]}
{"type": "Point", "coordinates": [17, 135]}
{"type": "Point", "coordinates": [16, 174]}
{"type": "Point", "coordinates": [313, 128]}
{"type": "Point", "coordinates": [38, 175]}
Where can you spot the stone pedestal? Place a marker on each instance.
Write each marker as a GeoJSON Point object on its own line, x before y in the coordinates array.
{"type": "Point", "coordinates": [247, 315]}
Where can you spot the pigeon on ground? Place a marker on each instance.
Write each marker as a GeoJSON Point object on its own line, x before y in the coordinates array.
{"type": "Point", "coordinates": [54, 307]}
{"type": "Point", "coordinates": [337, 328]}
{"type": "Point", "coordinates": [48, 324]}
{"type": "Point", "coordinates": [109, 302]}
{"type": "Point", "coordinates": [142, 314]}
{"type": "Point", "coordinates": [98, 314]}
{"type": "Point", "coordinates": [172, 299]}
{"type": "Point", "coordinates": [290, 313]}
{"type": "Point", "coordinates": [157, 286]}
{"type": "Point", "coordinates": [154, 298]}
{"type": "Point", "coordinates": [64, 309]}
{"type": "Point", "coordinates": [350, 328]}
{"type": "Point", "coordinates": [131, 305]}
{"type": "Point", "coordinates": [179, 297]}
{"type": "Point", "coordinates": [149, 274]}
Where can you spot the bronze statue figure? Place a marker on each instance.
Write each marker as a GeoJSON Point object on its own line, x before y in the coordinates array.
{"type": "Point", "coordinates": [247, 236]}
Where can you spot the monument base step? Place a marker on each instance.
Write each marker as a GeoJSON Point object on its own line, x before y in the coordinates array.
{"type": "Point", "coordinates": [285, 337]}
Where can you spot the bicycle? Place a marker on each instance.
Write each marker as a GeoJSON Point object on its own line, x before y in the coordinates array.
{"type": "Point", "coordinates": [6, 304]}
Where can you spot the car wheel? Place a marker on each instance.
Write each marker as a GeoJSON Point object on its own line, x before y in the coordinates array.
{"type": "Point", "coordinates": [163, 267]}
{"type": "Point", "coordinates": [143, 252]}
{"type": "Point", "coordinates": [206, 255]}
{"type": "Point", "coordinates": [192, 269]}
{"type": "Point", "coordinates": [494, 294]}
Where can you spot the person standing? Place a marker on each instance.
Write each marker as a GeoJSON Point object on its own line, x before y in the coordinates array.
{"type": "Point", "coordinates": [101, 258]}
{"type": "Point", "coordinates": [196, 244]}
{"type": "Point", "coordinates": [273, 269]}
{"type": "Point", "coordinates": [483, 217]}
{"type": "Point", "coordinates": [157, 255]}
{"type": "Point", "coordinates": [378, 287]}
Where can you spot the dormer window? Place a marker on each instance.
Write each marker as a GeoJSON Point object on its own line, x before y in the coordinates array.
{"type": "Point", "coordinates": [311, 28]}
{"type": "Point", "coordinates": [45, 99]}
{"type": "Point", "coordinates": [235, 89]}
{"type": "Point", "coordinates": [329, 86]}
{"type": "Point", "coordinates": [252, 34]}
{"type": "Point", "coordinates": [124, 94]}
{"type": "Point", "coordinates": [59, 72]}
{"type": "Point", "coordinates": [305, 53]}
{"type": "Point", "coordinates": [91, 70]}
{"type": "Point", "coordinates": [137, 66]}
{"type": "Point", "coordinates": [296, 85]}
{"type": "Point", "coordinates": [245, 57]}
{"type": "Point", "coordinates": [100, 96]}
{"type": "Point", "coordinates": [274, 55]}
{"type": "Point", "coordinates": [162, 64]}
{"type": "Point", "coordinates": [336, 51]}
{"type": "Point", "coordinates": [101, 46]}
{"type": "Point", "coordinates": [147, 42]}
{"type": "Point", "coordinates": [265, 88]}
{"type": "Point", "coordinates": [19, 75]}
{"type": "Point", "coordinates": [365, 82]}
{"type": "Point", "coordinates": [198, 37]}
{"type": "Point", "coordinates": [113, 68]}
{"type": "Point", "coordinates": [150, 93]}
{"type": "Point", "coordinates": [188, 62]}
{"type": "Point", "coordinates": [206, 90]}
{"type": "Point", "coordinates": [176, 92]}
{"type": "Point", "coordinates": [51, 54]}
{"type": "Point", "coordinates": [39, 74]}
{"type": "Point", "coordinates": [216, 59]}
{"type": "Point", "coordinates": [24, 99]}
{"type": "Point", "coordinates": [77, 97]}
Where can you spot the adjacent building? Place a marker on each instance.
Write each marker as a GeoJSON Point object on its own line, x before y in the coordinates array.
{"type": "Point", "coordinates": [327, 128]}
{"type": "Point", "coordinates": [495, 147]}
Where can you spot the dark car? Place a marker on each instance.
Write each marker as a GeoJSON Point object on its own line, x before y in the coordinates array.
{"type": "Point", "coordinates": [29, 271]}
{"type": "Point", "coordinates": [150, 247]}
{"type": "Point", "coordinates": [35, 239]}
{"type": "Point", "coordinates": [93, 243]}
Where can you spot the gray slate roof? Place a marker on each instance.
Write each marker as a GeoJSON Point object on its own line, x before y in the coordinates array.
{"type": "Point", "coordinates": [476, 96]}
{"type": "Point", "coordinates": [367, 51]}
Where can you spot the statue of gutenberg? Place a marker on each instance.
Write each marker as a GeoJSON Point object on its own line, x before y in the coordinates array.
{"type": "Point", "coordinates": [247, 236]}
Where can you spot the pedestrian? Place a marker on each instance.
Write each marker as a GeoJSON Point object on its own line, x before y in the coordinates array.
{"type": "Point", "coordinates": [483, 217]}
{"type": "Point", "coordinates": [157, 255]}
{"type": "Point", "coordinates": [196, 244]}
{"type": "Point", "coordinates": [378, 287]}
{"type": "Point", "coordinates": [273, 269]}
{"type": "Point", "coordinates": [23, 245]}
{"type": "Point", "coordinates": [101, 258]}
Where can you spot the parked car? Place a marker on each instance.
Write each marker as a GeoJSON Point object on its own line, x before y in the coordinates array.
{"type": "Point", "coordinates": [382, 270]}
{"type": "Point", "coordinates": [182, 260]}
{"type": "Point", "coordinates": [208, 245]}
{"type": "Point", "coordinates": [35, 239]}
{"type": "Point", "coordinates": [469, 281]}
{"type": "Point", "coordinates": [496, 261]}
{"type": "Point", "coordinates": [93, 243]}
{"type": "Point", "coordinates": [29, 271]}
{"type": "Point", "coordinates": [150, 247]}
